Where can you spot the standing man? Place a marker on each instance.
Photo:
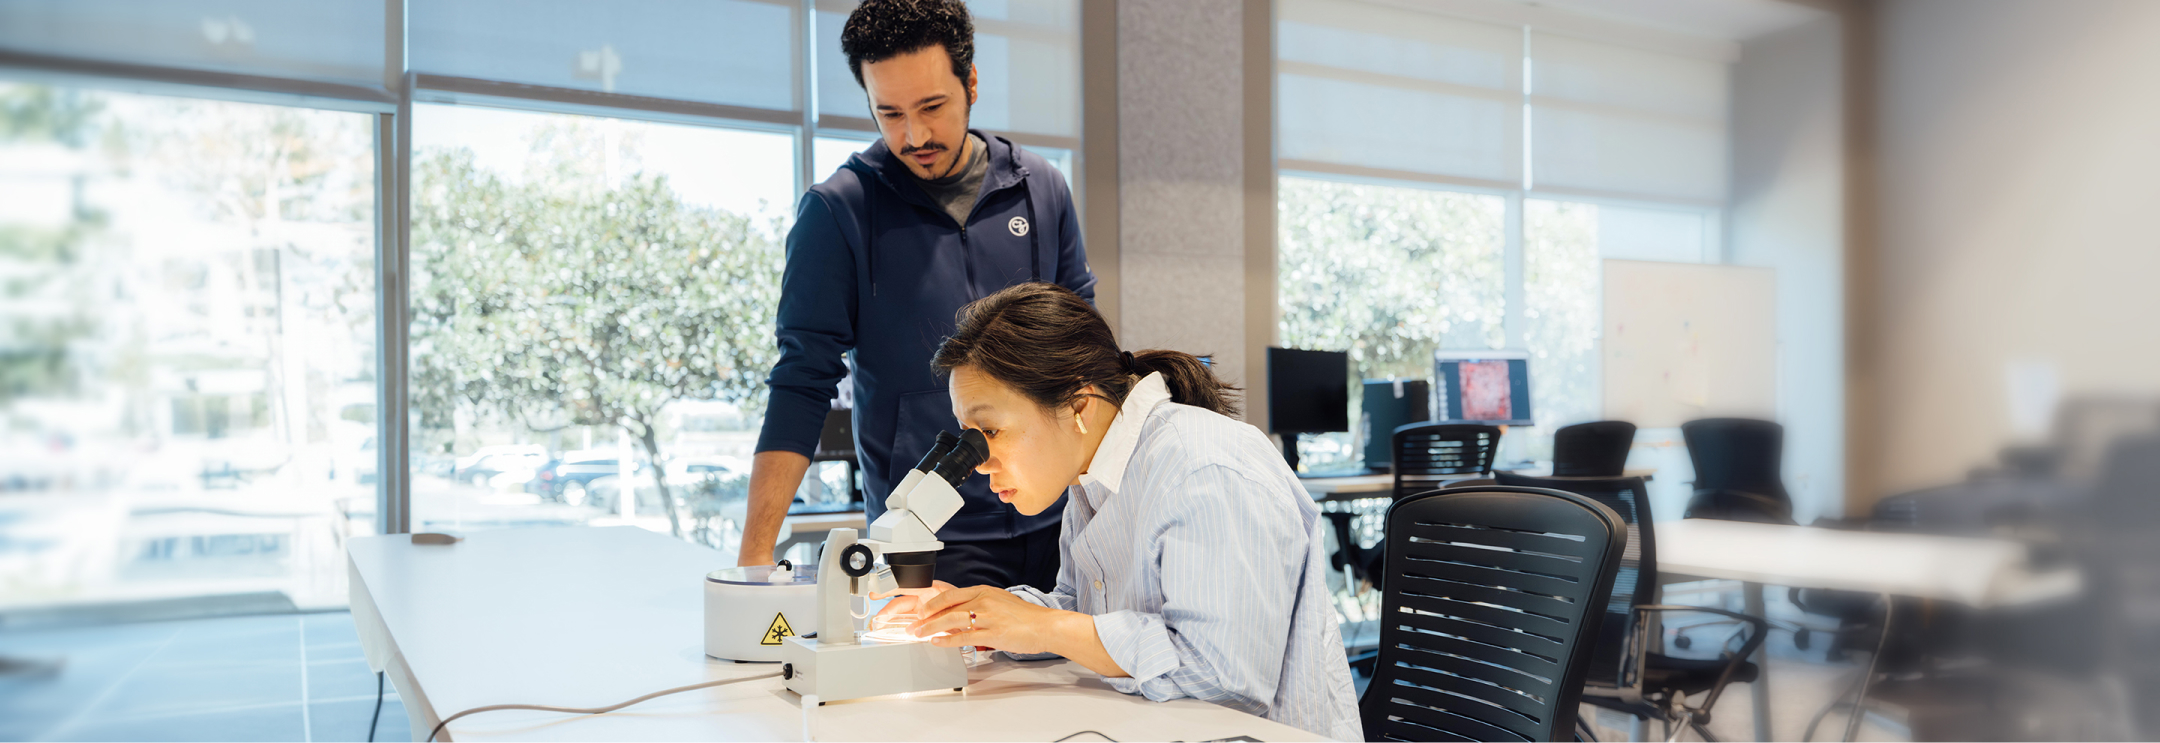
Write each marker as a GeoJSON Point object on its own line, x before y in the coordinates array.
{"type": "Point", "coordinates": [882, 256]}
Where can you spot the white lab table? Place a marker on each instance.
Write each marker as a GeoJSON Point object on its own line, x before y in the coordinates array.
{"type": "Point", "coordinates": [592, 616]}
{"type": "Point", "coordinates": [1971, 571]}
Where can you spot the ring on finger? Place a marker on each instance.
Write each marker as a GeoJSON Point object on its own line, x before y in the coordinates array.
{"type": "Point", "coordinates": [971, 621]}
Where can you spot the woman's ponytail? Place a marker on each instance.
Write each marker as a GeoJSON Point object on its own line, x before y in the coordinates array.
{"type": "Point", "coordinates": [1051, 345]}
{"type": "Point", "coordinates": [1191, 381]}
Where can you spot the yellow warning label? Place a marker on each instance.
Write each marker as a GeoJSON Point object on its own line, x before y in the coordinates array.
{"type": "Point", "coordinates": [778, 630]}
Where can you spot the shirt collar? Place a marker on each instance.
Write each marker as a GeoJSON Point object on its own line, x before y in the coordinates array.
{"type": "Point", "coordinates": [1107, 469]}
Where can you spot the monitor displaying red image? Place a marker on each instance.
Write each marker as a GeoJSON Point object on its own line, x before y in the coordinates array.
{"type": "Point", "coordinates": [1490, 387]}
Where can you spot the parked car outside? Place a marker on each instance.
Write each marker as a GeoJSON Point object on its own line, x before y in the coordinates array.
{"type": "Point", "coordinates": [568, 478]}
{"type": "Point", "coordinates": [689, 471]}
{"type": "Point", "coordinates": [484, 465]}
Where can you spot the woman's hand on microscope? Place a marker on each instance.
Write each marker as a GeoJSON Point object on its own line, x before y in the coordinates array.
{"type": "Point", "coordinates": [906, 601]}
{"type": "Point", "coordinates": [995, 618]}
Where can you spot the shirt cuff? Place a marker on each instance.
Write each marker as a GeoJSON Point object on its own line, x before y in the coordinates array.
{"type": "Point", "coordinates": [1032, 595]}
{"type": "Point", "coordinates": [1140, 645]}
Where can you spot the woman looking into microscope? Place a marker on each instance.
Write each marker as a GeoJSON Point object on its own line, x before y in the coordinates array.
{"type": "Point", "coordinates": [1192, 561]}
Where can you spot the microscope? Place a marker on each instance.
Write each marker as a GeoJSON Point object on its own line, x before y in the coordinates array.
{"type": "Point", "coordinates": [844, 662]}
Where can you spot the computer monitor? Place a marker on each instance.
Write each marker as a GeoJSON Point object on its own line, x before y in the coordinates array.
{"type": "Point", "coordinates": [1491, 387]}
{"type": "Point", "coordinates": [1308, 392]}
{"type": "Point", "coordinates": [1390, 403]}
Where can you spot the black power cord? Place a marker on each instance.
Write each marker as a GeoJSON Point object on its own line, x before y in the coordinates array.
{"type": "Point", "coordinates": [1085, 732]}
{"type": "Point", "coordinates": [593, 710]}
{"type": "Point", "coordinates": [377, 717]}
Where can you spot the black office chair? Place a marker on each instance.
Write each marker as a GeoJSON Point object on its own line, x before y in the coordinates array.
{"type": "Point", "coordinates": [1429, 456]}
{"type": "Point", "coordinates": [1596, 449]}
{"type": "Point", "coordinates": [1490, 609]}
{"type": "Point", "coordinates": [1351, 552]}
{"type": "Point", "coordinates": [1627, 674]}
{"type": "Point", "coordinates": [1425, 456]}
{"type": "Point", "coordinates": [1738, 470]}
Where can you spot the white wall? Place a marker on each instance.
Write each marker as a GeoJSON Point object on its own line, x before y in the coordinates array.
{"type": "Point", "coordinates": [2017, 217]}
{"type": "Point", "coordinates": [1787, 213]}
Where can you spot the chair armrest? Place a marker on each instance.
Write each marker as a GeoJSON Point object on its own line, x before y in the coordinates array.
{"type": "Point", "coordinates": [1638, 644]}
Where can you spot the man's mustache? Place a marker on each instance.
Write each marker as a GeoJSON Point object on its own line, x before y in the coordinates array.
{"type": "Point", "coordinates": [911, 150]}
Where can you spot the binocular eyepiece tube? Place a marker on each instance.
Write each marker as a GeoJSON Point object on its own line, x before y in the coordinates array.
{"type": "Point", "coordinates": [955, 457]}
{"type": "Point", "coordinates": [952, 459]}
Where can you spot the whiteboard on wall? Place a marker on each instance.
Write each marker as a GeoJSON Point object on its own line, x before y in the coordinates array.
{"type": "Point", "coordinates": [1684, 341]}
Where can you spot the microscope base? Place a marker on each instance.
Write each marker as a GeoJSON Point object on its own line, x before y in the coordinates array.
{"type": "Point", "coordinates": [836, 672]}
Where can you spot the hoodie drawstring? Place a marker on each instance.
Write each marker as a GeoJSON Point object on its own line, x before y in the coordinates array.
{"type": "Point", "coordinates": [869, 240]}
{"type": "Point", "coordinates": [1034, 234]}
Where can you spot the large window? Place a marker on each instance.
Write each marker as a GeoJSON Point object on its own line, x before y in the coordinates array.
{"type": "Point", "coordinates": [1515, 161]}
{"type": "Point", "coordinates": [187, 369]}
{"type": "Point", "coordinates": [198, 289]}
{"type": "Point", "coordinates": [1427, 265]}
{"type": "Point", "coordinates": [592, 318]}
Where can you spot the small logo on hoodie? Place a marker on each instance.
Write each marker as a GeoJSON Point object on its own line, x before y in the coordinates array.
{"type": "Point", "coordinates": [1019, 226]}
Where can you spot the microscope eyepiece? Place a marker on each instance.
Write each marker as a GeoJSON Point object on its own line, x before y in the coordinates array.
{"type": "Point", "coordinates": [968, 451]}
{"type": "Point", "coordinates": [938, 449]}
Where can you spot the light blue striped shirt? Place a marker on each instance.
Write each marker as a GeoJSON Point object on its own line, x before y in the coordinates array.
{"type": "Point", "coordinates": [1200, 557]}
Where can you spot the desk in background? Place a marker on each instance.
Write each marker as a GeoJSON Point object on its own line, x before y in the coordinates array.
{"type": "Point", "coordinates": [592, 616]}
{"type": "Point", "coordinates": [1347, 488]}
{"type": "Point", "coordinates": [1976, 572]}
{"type": "Point", "coordinates": [810, 528]}
{"type": "Point", "coordinates": [1378, 486]}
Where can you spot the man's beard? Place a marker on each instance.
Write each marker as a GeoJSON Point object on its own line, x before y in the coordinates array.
{"type": "Point", "coordinates": [967, 118]}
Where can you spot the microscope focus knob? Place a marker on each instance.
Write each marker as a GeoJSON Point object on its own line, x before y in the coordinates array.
{"type": "Point", "coordinates": [857, 560]}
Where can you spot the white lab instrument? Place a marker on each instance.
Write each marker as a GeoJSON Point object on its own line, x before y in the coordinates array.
{"type": "Point", "coordinates": [751, 611]}
{"type": "Point", "coordinates": [901, 552]}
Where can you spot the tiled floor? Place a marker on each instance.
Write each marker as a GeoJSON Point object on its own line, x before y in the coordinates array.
{"type": "Point", "coordinates": [289, 677]}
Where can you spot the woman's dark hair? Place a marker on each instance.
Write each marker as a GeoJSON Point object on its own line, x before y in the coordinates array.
{"type": "Point", "coordinates": [879, 30]}
{"type": "Point", "coordinates": [1050, 344]}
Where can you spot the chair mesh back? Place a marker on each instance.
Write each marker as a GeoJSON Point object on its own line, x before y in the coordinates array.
{"type": "Point", "coordinates": [1429, 455]}
{"type": "Point", "coordinates": [1737, 454]}
{"type": "Point", "coordinates": [2128, 497]}
{"type": "Point", "coordinates": [1493, 595]}
{"type": "Point", "coordinates": [1596, 449]}
{"type": "Point", "coordinates": [1636, 581]}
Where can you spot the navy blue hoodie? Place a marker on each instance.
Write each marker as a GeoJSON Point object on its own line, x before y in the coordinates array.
{"type": "Point", "coordinates": [877, 269]}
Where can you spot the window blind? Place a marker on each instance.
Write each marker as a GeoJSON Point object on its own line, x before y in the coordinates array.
{"type": "Point", "coordinates": [337, 41]}
{"type": "Point", "coordinates": [1625, 121]}
{"type": "Point", "coordinates": [1381, 87]}
{"type": "Point", "coordinates": [734, 52]}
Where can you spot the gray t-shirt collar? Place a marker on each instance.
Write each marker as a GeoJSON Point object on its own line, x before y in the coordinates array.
{"type": "Point", "coordinates": [957, 192]}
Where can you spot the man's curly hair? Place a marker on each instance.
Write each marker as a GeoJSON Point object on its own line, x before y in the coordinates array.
{"type": "Point", "coordinates": [879, 30]}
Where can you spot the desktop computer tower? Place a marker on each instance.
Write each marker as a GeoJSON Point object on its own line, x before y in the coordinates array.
{"type": "Point", "coordinates": [1390, 403]}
